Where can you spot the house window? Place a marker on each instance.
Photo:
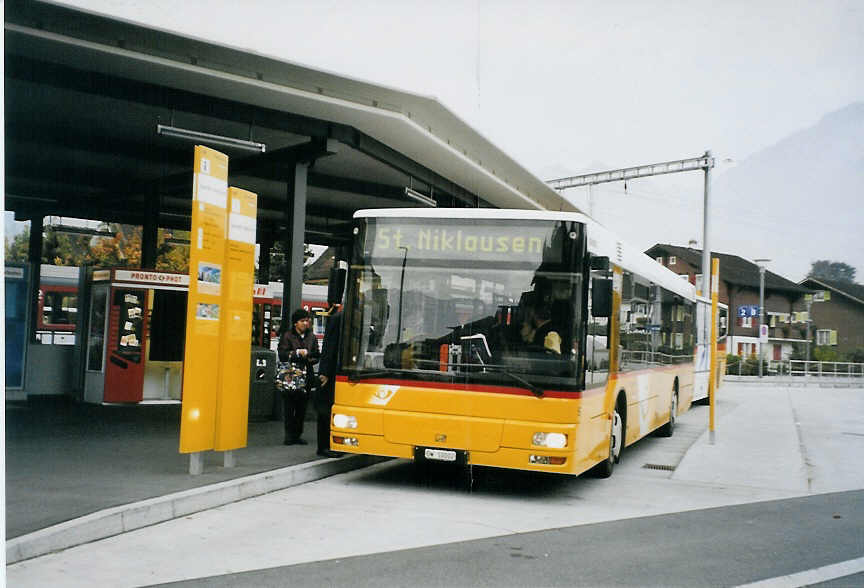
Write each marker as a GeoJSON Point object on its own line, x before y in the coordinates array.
{"type": "Point", "coordinates": [673, 260]}
{"type": "Point", "coordinates": [660, 260]}
{"type": "Point", "coordinates": [745, 321]}
{"type": "Point", "coordinates": [826, 337]}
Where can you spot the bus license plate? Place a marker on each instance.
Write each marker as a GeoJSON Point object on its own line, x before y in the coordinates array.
{"type": "Point", "coordinates": [440, 454]}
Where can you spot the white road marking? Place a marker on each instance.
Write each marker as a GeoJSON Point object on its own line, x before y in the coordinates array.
{"type": "Point", "coordinates": [814, 576]}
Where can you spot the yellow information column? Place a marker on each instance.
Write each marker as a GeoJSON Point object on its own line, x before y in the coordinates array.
{"type": "Point", "coordinates": [232, 404]}
{"type": "Point", "coordinates": [712, 373]}
{"type": "Point", "coordinates": [203, 309]}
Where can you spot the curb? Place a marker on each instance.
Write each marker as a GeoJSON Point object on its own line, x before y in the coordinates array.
{"type": "Point", "coordinates": [128, 517]}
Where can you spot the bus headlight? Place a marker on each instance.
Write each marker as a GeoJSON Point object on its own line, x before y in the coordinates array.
{"type": "Point", "coordinates": [551, 440]}
{"type": "Point", "coordinates": [344, 421]}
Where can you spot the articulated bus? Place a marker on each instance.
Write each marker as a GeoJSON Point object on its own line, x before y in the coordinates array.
{"type": "Point", "coordinates": [439, 357]}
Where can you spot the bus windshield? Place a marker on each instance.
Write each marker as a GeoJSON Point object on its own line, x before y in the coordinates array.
{"type": "Point", "coordinates": [488, 301]}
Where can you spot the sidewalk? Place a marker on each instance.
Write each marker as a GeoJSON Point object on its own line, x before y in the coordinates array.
{"type": "Point", "coordinates": [777, 437]}
{"type": "Point", "coordinates": [75, 472]}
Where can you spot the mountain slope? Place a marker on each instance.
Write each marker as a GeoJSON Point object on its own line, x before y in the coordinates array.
{"type": "Point", "coordinates": [799, 200]}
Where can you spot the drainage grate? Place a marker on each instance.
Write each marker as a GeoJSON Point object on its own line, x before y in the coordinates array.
{"type": "Point", "coordinates": [659, 466]}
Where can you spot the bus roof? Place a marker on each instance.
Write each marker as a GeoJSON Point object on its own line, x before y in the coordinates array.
{"type": "Point", "coordinates": [492, 213]}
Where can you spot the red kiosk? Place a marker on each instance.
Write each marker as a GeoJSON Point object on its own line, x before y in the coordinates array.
{"type": "Point", "coordinates": [135, 335]}
{"type": "Point", "coordinates": [135, 331]}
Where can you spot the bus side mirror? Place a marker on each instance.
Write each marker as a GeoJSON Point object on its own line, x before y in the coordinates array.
{"type": "Point", "coordinates": [600, 263]}
{"type": "Point", "coordinates": [336, 285]}
{"type": "Point", "coordinates": [601, 297]}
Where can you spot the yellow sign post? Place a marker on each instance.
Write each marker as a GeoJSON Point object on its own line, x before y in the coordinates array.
{"type": "Point", "coordinates": [232, 395]}
{"type": "Point", "coordinates": [204, 306]}
{"type": "Point", "coordinates": [712, 374]}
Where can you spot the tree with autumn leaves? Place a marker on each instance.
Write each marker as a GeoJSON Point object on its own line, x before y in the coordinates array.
{"type": "Point", "coordinates": [119, 247]}
{"type": "Point", "coordinates": [123, 249]}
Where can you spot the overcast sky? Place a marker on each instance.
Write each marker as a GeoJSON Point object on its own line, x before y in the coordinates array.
{"type": "Point", "coordinates": [572, 86]}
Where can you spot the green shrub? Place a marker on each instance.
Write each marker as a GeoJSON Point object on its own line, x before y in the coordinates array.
{"type": "Point", "coordinates": [732, 362]}
{"type": "Point", "coordinates": [825, 354]}
{"type": "Point", "coordinates": [746, 367]}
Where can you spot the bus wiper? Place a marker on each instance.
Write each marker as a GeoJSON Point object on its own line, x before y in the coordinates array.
{"type": "Point", "coordinates": [535, 390]}
{"type": "Point", "coordinates": [357, 376]}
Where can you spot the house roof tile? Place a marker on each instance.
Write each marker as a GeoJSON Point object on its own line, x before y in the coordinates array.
{"type": "Point", "coordinates": [850, 290]}
{"type": "Point", "coordinates": [733, 269]}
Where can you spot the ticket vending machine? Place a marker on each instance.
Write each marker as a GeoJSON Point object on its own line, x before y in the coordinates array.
{"type": "Point", "coordinates": [134, 336]}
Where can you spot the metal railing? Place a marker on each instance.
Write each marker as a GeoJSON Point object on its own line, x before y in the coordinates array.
{"type": "Point", "coordinates": [801, 371]}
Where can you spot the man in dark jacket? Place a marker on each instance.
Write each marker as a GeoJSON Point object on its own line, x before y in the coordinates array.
{"type": "Point", "coordinates": [327, 376]}
{"type": "Point", "coordinates": [299, 346]}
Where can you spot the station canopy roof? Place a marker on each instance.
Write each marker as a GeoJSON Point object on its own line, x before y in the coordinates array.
{"type": "Point", "coordinates": [84, 95]}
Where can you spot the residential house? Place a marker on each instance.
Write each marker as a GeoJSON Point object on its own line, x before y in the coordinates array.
{"type": "Point", "coordinates": [785, 304]}
{"type": "Point", "coordinates": [318, 272]}
{"type": "Point", "coordinates": [836, 314]}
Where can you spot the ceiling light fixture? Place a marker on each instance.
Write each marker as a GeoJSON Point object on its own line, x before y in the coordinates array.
{"type": "Point", "coordinates": [82, 231]}
{"type": "Point", "coordinates": [209, 139]}
{"type": "Point", "coordinates": [421, 198]}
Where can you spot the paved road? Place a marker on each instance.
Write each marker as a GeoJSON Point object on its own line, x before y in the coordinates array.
{"type": "Point", "coordinates": [725, 546]}
{"type": "Point", "coordinates": [772, 444]}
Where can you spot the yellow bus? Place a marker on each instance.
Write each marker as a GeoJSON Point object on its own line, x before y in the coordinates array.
{"type": "Point", "coordinates": [533, 340]}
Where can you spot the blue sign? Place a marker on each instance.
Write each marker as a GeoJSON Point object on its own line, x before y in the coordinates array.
{"type": "Point", "coordinates": [748, 310]}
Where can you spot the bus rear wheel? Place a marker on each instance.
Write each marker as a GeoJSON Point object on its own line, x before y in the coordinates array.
{"type": "Point", "coordinates": [669, 428]}
{"type": "Point", "coordinates": [616, 437]}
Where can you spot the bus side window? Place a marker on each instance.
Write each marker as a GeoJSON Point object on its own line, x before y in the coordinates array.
{"type": "Point", "coordinates": [722, 314]}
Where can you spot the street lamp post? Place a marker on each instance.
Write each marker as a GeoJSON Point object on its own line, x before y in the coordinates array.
{"type": "Point", "coordinates": [705, 286]}
{"type": "Point", "coordinates": [761, 263]}
{"type": "Point", "coordinates": [809, 305]}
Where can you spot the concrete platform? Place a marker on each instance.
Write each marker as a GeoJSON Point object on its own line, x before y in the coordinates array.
{"type": "Point", "coordinates": [79, 472]}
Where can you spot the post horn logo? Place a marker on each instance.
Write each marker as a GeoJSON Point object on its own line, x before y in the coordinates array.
{"type": "Point", "coordinates": [440, 438]}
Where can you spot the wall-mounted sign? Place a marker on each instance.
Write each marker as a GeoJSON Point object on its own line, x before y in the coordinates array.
{"type": "Point", "coordinates": [748, 310]}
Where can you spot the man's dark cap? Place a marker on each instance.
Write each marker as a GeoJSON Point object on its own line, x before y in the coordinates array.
{"type": "Point", "coordinates": [299, 314]}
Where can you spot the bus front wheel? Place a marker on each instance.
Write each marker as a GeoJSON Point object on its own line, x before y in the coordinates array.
{"type": "Point", "coordinates": [616, 440]}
